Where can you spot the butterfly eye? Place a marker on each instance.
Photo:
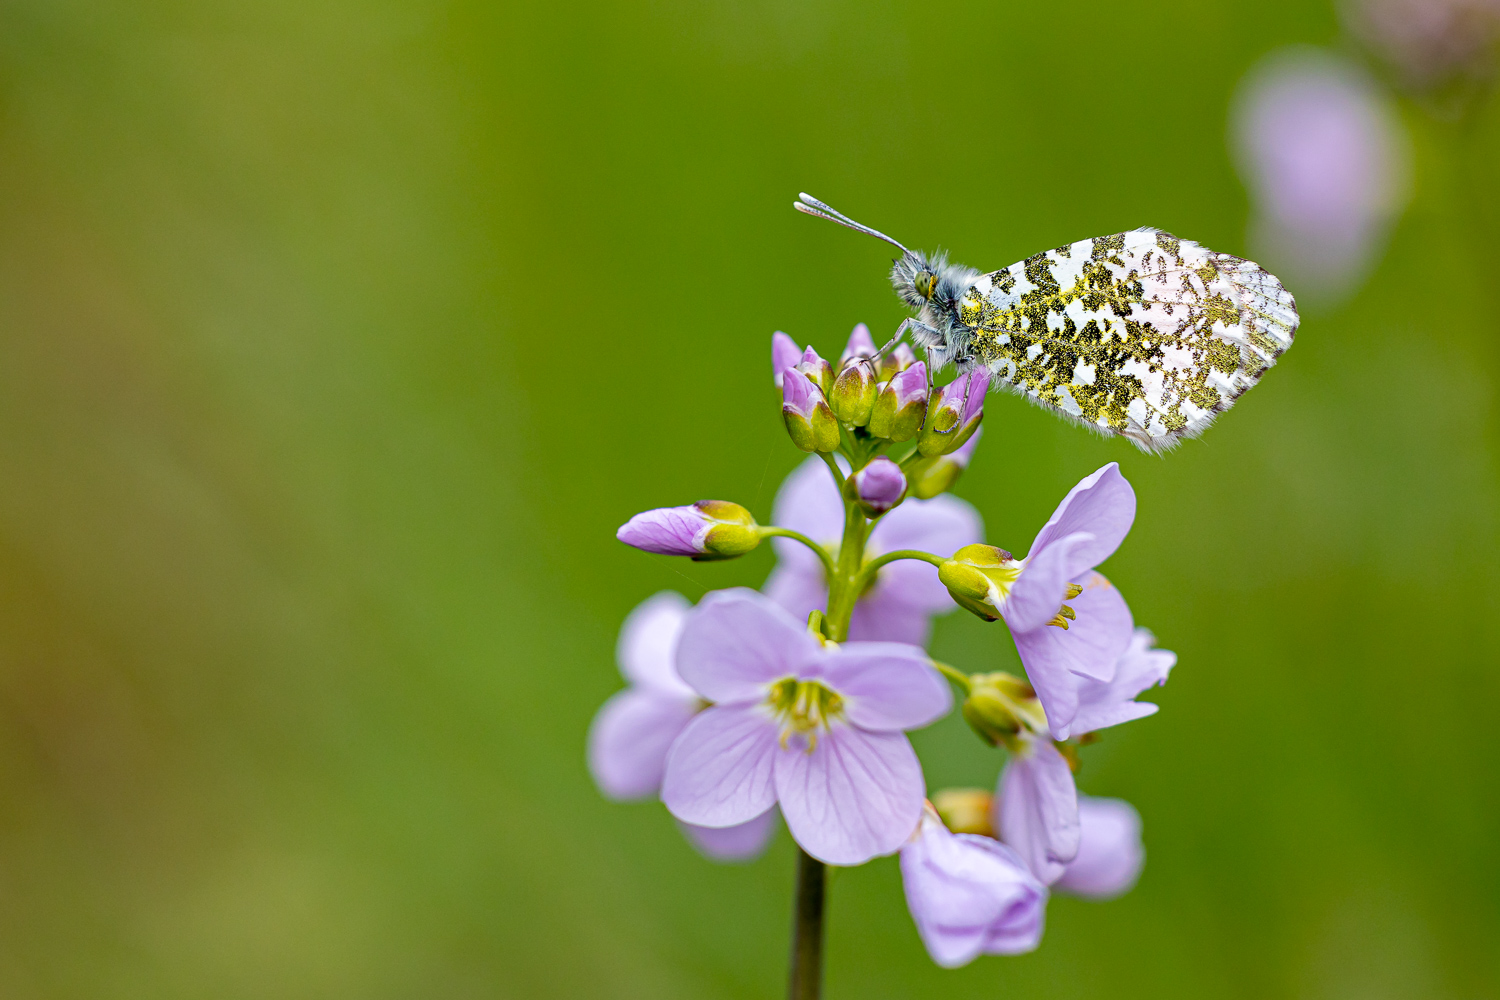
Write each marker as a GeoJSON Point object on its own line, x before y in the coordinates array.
{"type": "Point", "coordinates": [925, 283]}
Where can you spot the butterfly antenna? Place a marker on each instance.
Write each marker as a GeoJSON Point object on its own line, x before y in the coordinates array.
{"type": "Point", "coordinates": [809, 205]}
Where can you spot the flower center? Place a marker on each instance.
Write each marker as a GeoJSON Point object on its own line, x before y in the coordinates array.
{"type": "Point", "coordinates": [804, 707]}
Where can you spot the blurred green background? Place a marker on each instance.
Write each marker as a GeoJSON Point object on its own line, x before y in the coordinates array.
{"type": "Point", "coordinates": [337, 338]}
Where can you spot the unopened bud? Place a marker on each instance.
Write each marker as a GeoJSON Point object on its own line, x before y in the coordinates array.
{"type": "Point", "coordinates": [898, 360]}
{"type": "Point", "coordinates": [932, 476]}
{"type": "Point", "coordinates": [706, 530]}
{"type": "Point", "coordinates": [784, 354]}
{"type": "Point", "coordinates": [878, 487]}
{"type": "Point", "coordinates": [979, 577]}
{"type": "Point", "coordinates": [901, 405]}
{"type": "Point", "coordinates": [810, 423]}
{"type": "Point", "coordinates": [854, 393]}
{"type": "Point", "coordinates": [999, 705]}
{"type": "Point", "coordinates": [965, 810]}
{"type": "Point", "coordinates": [954, 414]}
{"type": "Point", "coordinates": [818, 371]}
{"type": "Point", "coordinates": [860, 345]}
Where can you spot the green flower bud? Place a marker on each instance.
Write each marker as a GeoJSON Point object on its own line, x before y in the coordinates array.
{"type": "Point", "coordinates": [733, 532]}
{"type": "Point", "coordinates": [978, 578]}
{"type": "Point", "coordinates": [854, 393]}
{"type": "Point", "coordinates": [999, 706]}
{"type": "Point", "coordinates": [965, 810]}
{"type": "Point", "coordinates": [810, 423]}
{"type": "Point", "coordinates": [818, 371]}
{"type": "Point", "coordinates": [931, 476]}
{"type": "Point", "coordinates": [901, 405]}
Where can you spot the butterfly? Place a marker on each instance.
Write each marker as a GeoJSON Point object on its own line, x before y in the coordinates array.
{"type": "Point", "coordinates": [1139, 334]}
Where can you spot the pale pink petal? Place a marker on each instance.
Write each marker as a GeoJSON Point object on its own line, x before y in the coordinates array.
{"type": "Point", "coordinates": [809, 502]}
{"type": "Point", "coordinates": [1038, 592]}
{"type": "Point", "coordinates": [969, 894]}
{"type": "Point", "coordinates": [884, 616]}
{"type": "Point", "coordinates": [647, 648]}
{"type": "Point", "coordinates": [1103, 505]}
{"type": "Point", "coordinates": [856, 796]}
{"type": "Point", "coordinates": [784, 354]}
{"type": "Point", "coordinates": [720, 769]}
{"type": "Point", "coordinates": [798, 588]}
{"type": "Point", "coordinates": [1038, 810]}
{"type": "Point", "coordinates": [1110, 854]}
{"type": "Point", "coordinates": [743, 842]}
{"type": "Point", "coordinates": [1103, 704]}
{"type": "Point", "coordinates": [1100, 634]}
{"type": "Point", "coordinates": [1043, 653]}
{"type": "Point", "coordinates": [886, 686]}
{"type": "Point", "coordinates": [629, 738]}
{"type": "Point", "coordinates": [736, 642]}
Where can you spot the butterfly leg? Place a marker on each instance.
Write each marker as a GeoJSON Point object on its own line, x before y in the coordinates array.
{"type": "Point", "coordinates": [906, 324]}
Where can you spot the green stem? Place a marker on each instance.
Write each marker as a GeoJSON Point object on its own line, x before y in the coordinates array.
{"type": "Point", "coordinates": [873, 567]}
{"type": "Point", "coordinates": [805, 981]}
{"type": "Point", "coordinates": [846, 580]}
{"type": "Point", "coordinates": [955, 675]}
{"type": "Point", "coordinates": [771, 531]}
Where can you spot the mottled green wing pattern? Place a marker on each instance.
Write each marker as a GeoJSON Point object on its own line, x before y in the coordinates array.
{"type": "Point", "coordinates": [1139, 334]}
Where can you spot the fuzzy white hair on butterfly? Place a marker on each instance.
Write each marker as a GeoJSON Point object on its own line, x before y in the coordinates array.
{"type": "Point", "coordinates": [1139, 334]}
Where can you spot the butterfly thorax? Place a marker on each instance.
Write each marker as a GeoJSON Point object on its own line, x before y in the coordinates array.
{"type": "Point", "coordinates": [933, 288]}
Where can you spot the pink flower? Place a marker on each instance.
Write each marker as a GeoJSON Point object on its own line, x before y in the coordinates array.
{"type": "Point", "coordinates": [630, 736]}
{"type": "Point", "coordinates": [811, 726]}
{"type": "Point", "coordinates": [1061, 644]}
{"type": "Point", "coordinates": [1037, 805]}
{"type": "Point", "coordinates": [1110, 855]}
{"type": "Point", "coordinates": [1324, 156]}
{"type": "Point", "coordinates": [969, 895]}
{"type": "Point", "coordinates": [906, 594]}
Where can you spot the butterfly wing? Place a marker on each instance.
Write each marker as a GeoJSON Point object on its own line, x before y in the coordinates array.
{"type": "Point", "coordinates": [1140, 334]}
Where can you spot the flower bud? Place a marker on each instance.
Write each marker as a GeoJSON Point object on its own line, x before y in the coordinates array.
{"type": "Point", "coordinates": [898, 360]}
{"type": "Point", "coordinates": [997, 704]}
{"type": "Point", "coordinates": [978, 577]}
{"type": "Point", "coordinates": [965, 810]}
{"type": "Point", "coordinates": [809, 421]}
{"type": "Point", "coordinates": [860, 346]}
{"type": "Point", "coordinates": [818, 371]}
{"type": "Point", "coordinates": [706, 530]}
{"type": "Point", "coordinates": [954, 414]}
{"type": "Point", "coordinates": [854, 393]}
{"type": "Point", "coordinates": [932, 476]}
{"type": "Point", "coordinates": [901, 405]}
{"type": "Point", "coordinates": [784, 354]}
{"type": "Point", "coordinates": [878, 487]}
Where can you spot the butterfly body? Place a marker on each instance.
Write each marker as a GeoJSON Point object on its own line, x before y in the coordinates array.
{"type": "Point", "coordinates": [1139, 334]}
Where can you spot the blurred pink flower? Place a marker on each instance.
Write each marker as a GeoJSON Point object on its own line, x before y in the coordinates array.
{"type": "Point", "coordinates": [1324, 157]}
{"type": "Point", "coordinates": [1427, 42]}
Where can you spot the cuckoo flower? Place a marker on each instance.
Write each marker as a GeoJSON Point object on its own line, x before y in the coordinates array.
{"type": "Point", "coordinates": [1069, 622]}
{"type": "Point", "coordinates": [706, 530]}
{"type": "Point", "coordinates": [860, 345]}
{"type": "Point", "coordinates": [1324, 155]}
{"type": "Point", "coordinates": [784, 354]}
{"type": "Point", "coordinates": [630, 736]}
{"type": "Point", "coordinates": [1110, 855]}
{"type": "Point", "coordinates": [969, 895]}
{"type": "Point", "coordinates": [1036, 808]}
{"type": "Point", "coordinates": [812, 726]}
{"type": "Point", "coordinates": [954, 413]}
{"type": "Point", "coordinates": [900, 605]}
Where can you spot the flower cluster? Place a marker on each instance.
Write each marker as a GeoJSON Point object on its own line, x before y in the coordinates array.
{"type": "Point", "coordinates": [796, 700]}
